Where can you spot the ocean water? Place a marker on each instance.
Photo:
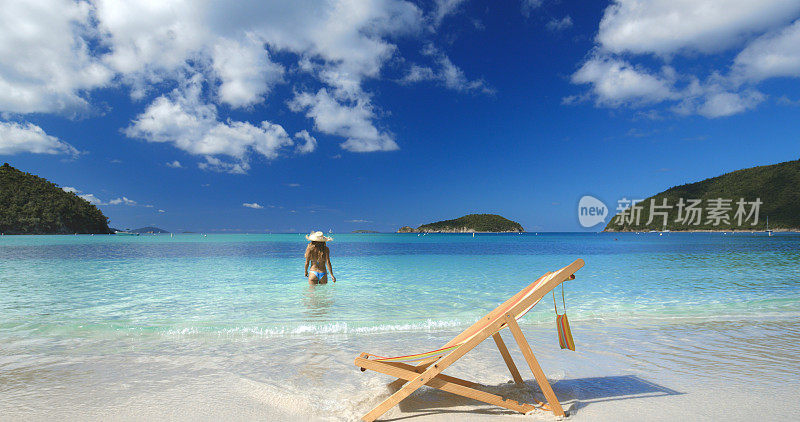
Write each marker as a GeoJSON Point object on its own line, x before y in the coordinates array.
{"type": "Point", "coordinates": [226, 326]}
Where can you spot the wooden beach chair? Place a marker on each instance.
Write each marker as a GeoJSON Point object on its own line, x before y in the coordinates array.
{"type": "Point", "coordinates": [427, 367]}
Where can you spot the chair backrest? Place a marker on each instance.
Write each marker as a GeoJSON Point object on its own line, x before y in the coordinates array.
{"type": "Point", "coordinates": [522, 302]}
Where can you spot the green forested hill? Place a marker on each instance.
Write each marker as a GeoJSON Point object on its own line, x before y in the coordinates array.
{"type": "Point", "coordinates": [471, 223]}
{"type": "Point", "coordinates": [32, 205]}
{"type": "Point", "coordinates": [776, 186]}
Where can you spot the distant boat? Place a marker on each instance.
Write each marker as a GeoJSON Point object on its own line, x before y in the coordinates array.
{"type": "Point", "coordinates": [769, 232]}
{"type": "Point", "coordinates": [124, 233]}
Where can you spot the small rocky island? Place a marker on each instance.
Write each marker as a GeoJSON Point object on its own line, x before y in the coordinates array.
{"type": "Point", "coordinates": [149, 230]}
{"type": "Point", "coordinates": [32, 205]}
{"type": "Point", "coordinates": [472, 223]}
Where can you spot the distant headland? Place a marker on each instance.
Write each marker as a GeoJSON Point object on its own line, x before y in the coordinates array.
{"type": "Point", "coordinates": [471, 223]}
{"type": "Point", "coordinates": [30, 204]}
{"type": "Point", "coordinates": [730, 202]}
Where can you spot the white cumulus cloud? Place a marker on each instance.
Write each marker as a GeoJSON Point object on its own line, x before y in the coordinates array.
{"type": "Point", "coordinates": [728, 103]}
{"type": "Point", "coordinates": [86, 196]}
{"type": "Point", "coordinates": [245, 70]}
{"type": "Point", "coordinates": [443, 8]}
{"type": "Point", "coordinates": [16, 138]}
{"type": "Point", "coordinates": [445, 72]}
{"type": "Point", "coordinates": [773, 55]}
{"type": "Point", "coordinates": [718, 102]}
{"type": "Point", "coordinates": [417, 73]}
{"type": "Point", "coordinates": [352, 121]}
{"type": "Point", "coordinates": [215, 164]}
{"type": "Point", "coordinates": [615, 82]}
{"type": "Point", "coordinates": [55, 53]}
{"type": "Point", "coordinates": [191, 125]}
{"type": "Point", "coordinates": [309, 142]}
{"type": "Point", "coordinates": [122, 201]}
{"type": "Point", "coordinates": [46, 64]}
{"type": "Point", "coordinates": [92, 199]}
{"type": "Point", "coordinates": [253, 205]}
{"type": "Point", "coordinates": [651, 52]}
{"type": "Point", "coordinates": [669, 26]}
{"type": "Point", "coordinates": [344, 41]}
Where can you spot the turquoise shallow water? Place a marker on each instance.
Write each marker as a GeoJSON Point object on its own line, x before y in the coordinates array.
{"type": "Point", "coordinates": [101, 285]}
{"type": "Point", "coordinates": [93, 312]}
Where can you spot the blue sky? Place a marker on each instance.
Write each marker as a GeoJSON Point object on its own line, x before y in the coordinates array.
{"type": "Point", "coordinates": [344, 115]}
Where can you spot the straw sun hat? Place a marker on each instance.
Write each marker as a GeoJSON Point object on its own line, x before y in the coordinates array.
{"type": "Point", "coordinates": [318, 237]}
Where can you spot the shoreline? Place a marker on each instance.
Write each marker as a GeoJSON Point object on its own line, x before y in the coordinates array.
{"type": "Point", "coordinates": [455, 232]}
{"type": "Point", "coordinates": [410, 233]}
{"type": "Point", "coordinates": [792, 230]}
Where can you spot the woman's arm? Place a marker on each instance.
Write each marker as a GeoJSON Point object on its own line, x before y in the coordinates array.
{"type": "Point", "coordinates": [330, 267]}
{"type": "Point", "coordinates": [306, 267]}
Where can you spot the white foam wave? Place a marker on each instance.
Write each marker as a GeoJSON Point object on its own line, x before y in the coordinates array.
{"type": "Point", "coordinates": [305, 330]}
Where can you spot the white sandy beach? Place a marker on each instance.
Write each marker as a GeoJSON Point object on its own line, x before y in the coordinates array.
{"type": "Point", "coordinates": [617, 374]}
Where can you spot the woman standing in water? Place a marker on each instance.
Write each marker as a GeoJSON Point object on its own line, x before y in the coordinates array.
{"type": "Point", "coordinates": [319, 256]}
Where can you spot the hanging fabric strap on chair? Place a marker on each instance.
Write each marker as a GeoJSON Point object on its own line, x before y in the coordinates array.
{"type": "Point", "coordinates": [562, 323]}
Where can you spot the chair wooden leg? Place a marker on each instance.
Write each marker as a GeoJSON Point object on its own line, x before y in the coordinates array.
{"type": "Point", "coordinates": [420, 368]}
{"type": "Point", "coordinates": [396, 384]}
{"type": "Point", "coordinates": [507, 357]}
{"type": "Point", "coordinates": [412, 385]}
{"type": "Point", "coordinates": [383, 367]}
{"type": "Point", "coordinates": [549, 394]}
{"type": "Point", "coordinates": [429, 374]}
{"type": "Point", "coordinates": [445, 383]}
